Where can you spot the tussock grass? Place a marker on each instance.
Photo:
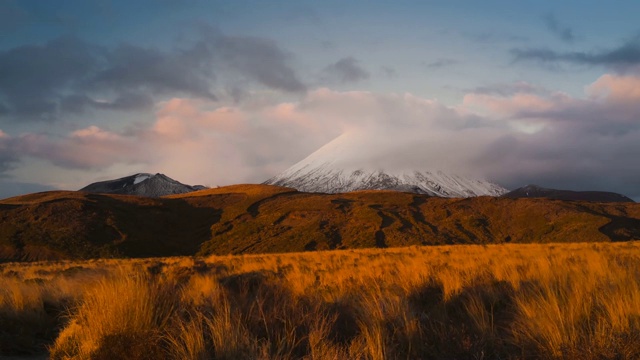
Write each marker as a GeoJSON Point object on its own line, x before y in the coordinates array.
{"type": "Point", "coordinates": [126, 309]}
{"type": "Point", "coordinates": [557, 301]}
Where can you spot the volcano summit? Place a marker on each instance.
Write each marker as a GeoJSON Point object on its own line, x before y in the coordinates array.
{"type": "Point", "coordinates": [342, 166]}
{"type": "Point", "coordinates": [142, 184]}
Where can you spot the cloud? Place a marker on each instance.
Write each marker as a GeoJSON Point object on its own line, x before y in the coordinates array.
{"type": "Point", "coordinates": [567, 158]}
{"type": "Point", "coordinates": [616, 89]}
{"type": "Point", "coordinates": [32, 76]}
{"type": "Point", "coordinates": [86, 149]}
{"type": "Point", "coordinates": [518, 100]}
{"type": "Point", "coordinates": [345, 70]}
{"type": "Point", "coordinates": [200, 142]}
{"type": "Point", "coordinates": [260, 59]}
{"type": "Point", "coordinates": [135, 68]}
{"type": "Point", "coordinates": [563, 33]}
{"type": "Point", "coordinates": [441, 63]}
{"type": "Point", "coordinates": [78, 104]}
{"type": "Point", "coordinates": [68, 75]}
{"type": "Point", "coordinates": [514, 137]}
{"type": "Point", "coordinates": [504, 89]}
{"type": "Point", "coordinates": [575, 143]}
{"type": "Point", "coordinates": [622, 58]}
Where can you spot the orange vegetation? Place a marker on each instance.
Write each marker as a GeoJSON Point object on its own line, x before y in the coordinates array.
{"type": "Point", "coordinates": [244, 219]}
{"type": "Point", "coordinates": [509, 301]}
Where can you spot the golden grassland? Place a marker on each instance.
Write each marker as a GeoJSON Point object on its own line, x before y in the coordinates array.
{"type": "Point", "coordinates": [534, 301]}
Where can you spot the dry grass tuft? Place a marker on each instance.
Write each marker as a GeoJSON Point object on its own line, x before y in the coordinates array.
{"type": "Point", "coordinates": [122, 316]}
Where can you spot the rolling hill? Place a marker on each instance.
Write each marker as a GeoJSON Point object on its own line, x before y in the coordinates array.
{"type": "Point", "coordinates": [266, 219]}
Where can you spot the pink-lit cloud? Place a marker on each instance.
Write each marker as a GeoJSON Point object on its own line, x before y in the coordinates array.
{"type": "Point", "coordinates": [512, 105]}
{"type": "Point", "coordinates": [615, 88]}
{"type": "Point", "coordinates": [86, 148]}
{"type": "Point", "coordinates": [513, 138]}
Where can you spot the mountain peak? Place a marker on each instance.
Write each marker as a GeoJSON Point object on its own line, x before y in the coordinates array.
{"type": "Point", "coordinates": [142, 184]}
{"type": "Point", "coordinates": [343, 165]}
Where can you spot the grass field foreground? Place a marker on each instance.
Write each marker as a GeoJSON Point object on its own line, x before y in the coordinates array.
{"type": "Point", "coordinates": [533, 301]}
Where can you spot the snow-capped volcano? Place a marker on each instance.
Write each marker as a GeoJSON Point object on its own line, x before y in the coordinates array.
{"type": "Point", "coordinates": [343, 166]}
{"type": "Point", "coordinates": [142, 184]}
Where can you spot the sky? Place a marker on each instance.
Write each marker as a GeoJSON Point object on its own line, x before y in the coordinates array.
{"type": "Point", "coordinates": [225, 92]}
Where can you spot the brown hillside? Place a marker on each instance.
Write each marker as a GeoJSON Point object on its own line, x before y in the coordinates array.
{"type": "Point", "coordinates": [262, 219]}
{"type": "Point", "coordinates": [66, 224]}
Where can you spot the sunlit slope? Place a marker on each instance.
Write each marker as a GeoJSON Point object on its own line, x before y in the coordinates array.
{"type": "Point", "coordinates": [302, 221]}
{"type": "Point", "coordinates": [262, 218]}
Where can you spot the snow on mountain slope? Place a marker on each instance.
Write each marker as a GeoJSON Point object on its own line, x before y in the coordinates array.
{"type": "Point", "coordinates": [142, 184]}
{"type": "Point", "coordinates": [140, 178]}
{"type": "Point", "coordinates": [342, 165]}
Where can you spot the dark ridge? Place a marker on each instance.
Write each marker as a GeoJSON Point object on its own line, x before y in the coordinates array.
{"type": "Point", "coordinates": [535, 191]}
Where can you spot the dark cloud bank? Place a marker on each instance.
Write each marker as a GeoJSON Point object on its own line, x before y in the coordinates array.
{"type": "Point", "coordinates": [69, 75]}
{"type": "Point", "coordinates": [622, 58]}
